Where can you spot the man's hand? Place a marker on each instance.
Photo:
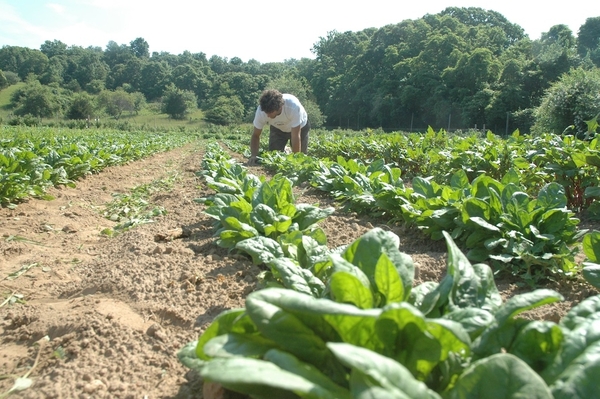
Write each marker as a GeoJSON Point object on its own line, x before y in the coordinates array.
{"type": "Point", "coordinates": [252, 161]}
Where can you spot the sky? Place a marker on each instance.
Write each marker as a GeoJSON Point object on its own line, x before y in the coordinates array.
{"type": "Point", "coordinates": [265, 31]}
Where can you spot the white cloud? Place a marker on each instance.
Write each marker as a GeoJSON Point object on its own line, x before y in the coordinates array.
{"type": "Point", "coordinates": [57, 8]}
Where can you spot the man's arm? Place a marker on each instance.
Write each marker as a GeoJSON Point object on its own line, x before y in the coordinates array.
{"type": "Point", "coordinates": [254, 146]}
{"type": "Point", "coordinates": [295, 139]}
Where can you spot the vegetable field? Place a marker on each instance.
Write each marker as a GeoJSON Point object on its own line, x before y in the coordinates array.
{"type": "Point", "coordinates": [105, 284]}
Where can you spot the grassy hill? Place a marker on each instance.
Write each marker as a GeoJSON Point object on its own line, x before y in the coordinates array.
{"type": "Point", "coordinates": [5, 95]}
{"type": "Point", "coordinates": [150, 116]}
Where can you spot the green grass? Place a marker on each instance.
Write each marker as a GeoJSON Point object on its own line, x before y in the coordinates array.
{"type": "Point", "coordinates": [150, 116]}
{"type": "Point", "coordinates": [5, 95]}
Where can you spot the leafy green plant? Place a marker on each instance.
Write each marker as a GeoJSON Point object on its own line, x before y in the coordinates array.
{"type": "Point", "coordinates": [591, 266]}
{"type": "Point", "coordinates": [255, 216]}
{"type": "Point", "coordinates": [134, 208]}
{"type": "Point", "coordinates": [453, 339]}
{"type": "Point", "coordinates": [531, 237]}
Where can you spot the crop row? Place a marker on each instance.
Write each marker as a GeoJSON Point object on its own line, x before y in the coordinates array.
{"type": "Point", "coordinates": [347, 322]}
{"type": "Point", "coordinates": [566, 160]}
{"type": "Point", "coordinates": [33, 159]}
{"type": "Point", "coordinates": [534, 237]}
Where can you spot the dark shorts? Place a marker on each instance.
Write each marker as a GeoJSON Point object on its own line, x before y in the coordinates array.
{"type": "Point", "coordinates": [279, 139]}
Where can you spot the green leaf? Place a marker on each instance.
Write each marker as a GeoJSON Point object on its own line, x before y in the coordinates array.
{"type": "Point", "coordinates": [473, 320]}
{"type": "Point", "coordinates": [388, 280]}
{"type": "Point", "coordinates": [416, 342]}
{"type": "Point", "coordinates": [537, 343]}
{"type": "Point", "coordinates": [308, 215]}
{"type": "Point", "coordinates": [235, 344]}
{"type": "Point", "coordinates": [523, 302]}
{"type": "Point", "coordinates": [551, 196]}
{"type": "Point", "coordinates": [234, 320]}
{"type": "Point", "coordinates": [277, 194]}
{"type": "Point", "coordinates": [423, 186]}
{"type": "Point", "coordinates": [591, 192]}
{"type": "Point", "coordinates": [262, 249]}
{"type": "Point", "coordinates": [499, 376]}
{"type": "Point", "coordinates": [347, 288]}
{"type": "Point", "coordinates": [261, 379]}
{"type": "Point", "coordinates": [591, 246]}
{"type": "Point", "coordinates": [579, 352]}
{"type": "Point", "coordinates": [460, 180]}
{"type": "Point", "coordinates": [484, 224]}
{"type": "Point", "coordinates": [475, 208]}
{"type": "Point", "coordinates": [187, 356]}
{"type": "Point", "coordinates": [582, 313]}
{"type": "Point", "coordinates": [472, 286]}
{"type": "Point", "coordinates": [367, 249]}
{"type": "Point", "coordinates": [394, 379]}
{"type": "Point", "coordinates": [297, 278]}
{"type": "Point", "coordinates": [327, 319]}
{"type": "Point", "coordinates": [307, 371]}
{"type": "Point", "coordinates": [284, 328]}
{"type": "Point", "coordinates": [579, 381]}
{"type": "Point", "coordinates": [591, 273]}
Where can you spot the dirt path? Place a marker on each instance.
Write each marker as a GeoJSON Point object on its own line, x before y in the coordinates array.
{"type": "Point", "coordinates": [117, 310]}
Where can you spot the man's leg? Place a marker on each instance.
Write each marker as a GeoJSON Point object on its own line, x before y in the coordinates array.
{"type": "Point", "coordinates": [304, 137]}
{"type": "Point", "coordinates": [277, 139]}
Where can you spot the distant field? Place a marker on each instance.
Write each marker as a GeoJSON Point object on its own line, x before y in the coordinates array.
{"type": "Point", "coordinates": [5, 99]}
{"type": "Point", "coordinates": [147, 117]}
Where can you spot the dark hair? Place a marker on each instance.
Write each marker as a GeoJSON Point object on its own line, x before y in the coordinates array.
{"type": "Point", "coordinates": [271, 100]}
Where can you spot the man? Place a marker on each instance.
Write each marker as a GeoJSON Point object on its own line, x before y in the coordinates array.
{"type": "Point", "coordinates": [287, 121]}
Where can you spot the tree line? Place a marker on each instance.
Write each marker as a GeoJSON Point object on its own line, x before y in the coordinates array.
{"type": "Point", "coordinates": [460, 68]}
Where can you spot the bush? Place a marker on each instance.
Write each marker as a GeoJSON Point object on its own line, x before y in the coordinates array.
{"type": "Point", "coordinates": [569, 104]}
{"type": "Point", "coordinates": [225, 111]}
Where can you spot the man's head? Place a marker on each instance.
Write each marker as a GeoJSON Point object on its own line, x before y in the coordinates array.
{"type": "Point", "coordinates": [271, 102]}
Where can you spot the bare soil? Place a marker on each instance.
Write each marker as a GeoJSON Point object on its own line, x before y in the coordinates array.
{"type": "Point", "coordinates": [88, 316]}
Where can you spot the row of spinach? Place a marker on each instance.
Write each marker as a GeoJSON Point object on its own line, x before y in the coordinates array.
{"type": "Point", "coordinates": [348, 323]}
{"type": "Point", "coordinates": [538, 160]}
{"type": "Point", "coordinates": [495, 220]}
{"type": "Point", "coordinates": [564, 159]}
{"type": "Point", "coordinates": [34, 159]}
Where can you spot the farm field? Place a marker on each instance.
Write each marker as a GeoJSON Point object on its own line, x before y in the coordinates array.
{"type": "Point", "coordinates": [117, 310]}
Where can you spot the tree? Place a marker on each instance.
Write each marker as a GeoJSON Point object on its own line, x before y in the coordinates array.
{"type": "Point", "coordinates": [35, 63]}
{"type": "Point", "coordinates": [35, 99]}
{"type": "Point", "coordinates": [55, 70]}
{"type": "Point", "coordinates": [11, 77]}
{"type": "Point", "coordinates": [478, 17]}
{"type": "Point", "coordinates": [245, 87]}
{"type": "Point", "coordinates": [85, 65]}
{"type": "Point", "coordinates": [11, 57]}
{"type": "Point", "coordinates": [116, 102]}
{"type": "Point", "coordinates": [194, 76]}
{"type": "Point", "coordinates": [53, 48]}
{"type": "Point", "coordinates": [155, 77]}
{"type": "Point", "coordinates": [588, 40]}
{"type": "Point", "coordinates": [225, 111]}
{"type": "Point", "coordinates": [81, 107]}
{"type": "Point", "coordinates": [178, 103]}
{"type": "Point", "coordinates": [139, 101]}
{"type": "Point", "coordinates": [116, 54]}
{"type": "Point", "coordinates": [3, 80]}
{"type": "Point", "coordinates": [569, 103]}
{"type": "Point", "coordinates": [140, 48]}
{"type": "Point", "coordinates": [130, 72]}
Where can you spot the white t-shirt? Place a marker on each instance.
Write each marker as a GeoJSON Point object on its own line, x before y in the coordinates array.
{"type": "Point", "coordinates": [293, 114]}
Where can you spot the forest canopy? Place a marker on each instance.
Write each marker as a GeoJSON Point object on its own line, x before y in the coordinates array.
{"type": "Point", "coordinates": [458, 69]}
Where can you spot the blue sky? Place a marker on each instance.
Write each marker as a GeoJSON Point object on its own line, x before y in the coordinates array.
{"type": "Point", "coordinates": [267, 32]}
